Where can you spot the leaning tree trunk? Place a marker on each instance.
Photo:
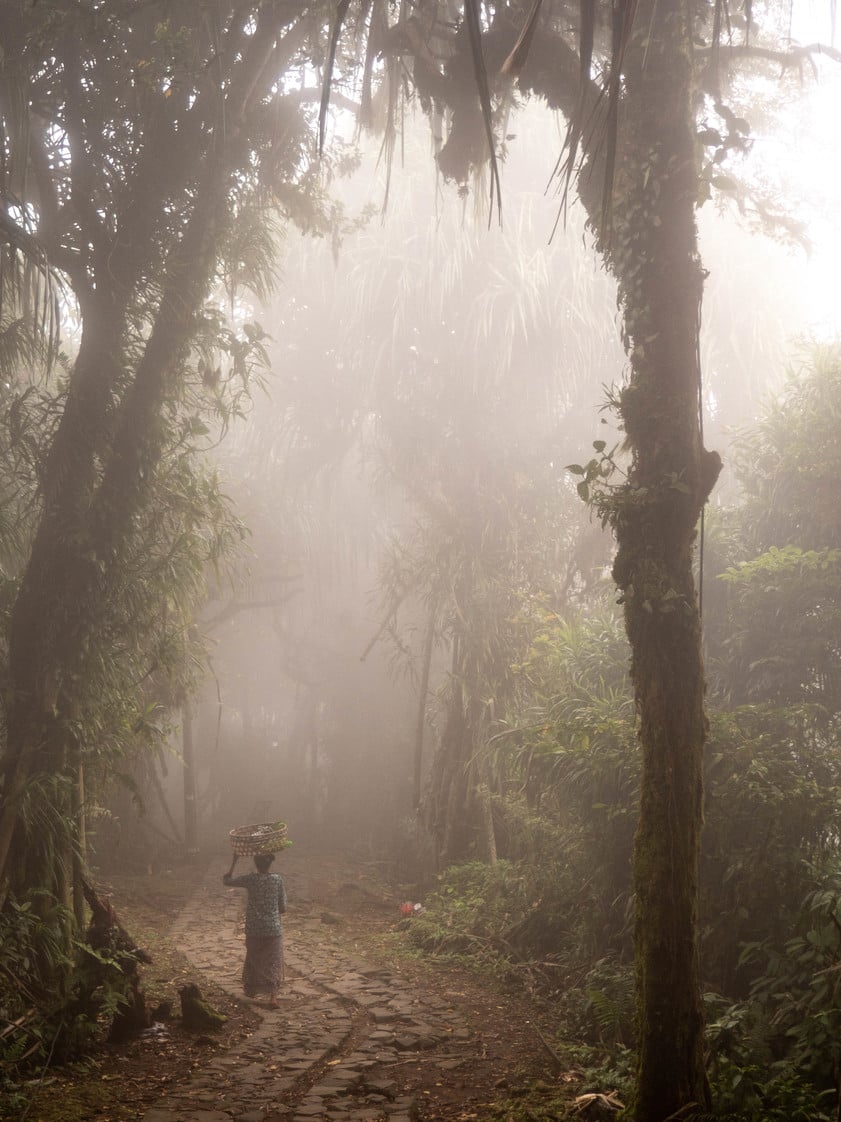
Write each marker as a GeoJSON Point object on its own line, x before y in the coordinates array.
{"type": "Point", "coordinates": [65, 589]}
{"type": "Point", "coordinates": [654, 249]}
{"type": "Point", "coordinates": [89, 511]}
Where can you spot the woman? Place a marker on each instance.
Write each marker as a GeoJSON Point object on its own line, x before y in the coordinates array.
{"type": "Point", "coordinates": [263, 967]}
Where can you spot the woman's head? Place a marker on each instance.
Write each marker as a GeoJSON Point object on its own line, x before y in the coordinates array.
{"type": "Point", "coordinates": [263, 861]}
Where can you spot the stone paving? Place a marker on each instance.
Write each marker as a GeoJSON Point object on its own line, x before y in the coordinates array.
{"type": "Point", "coordinates": [334, 1047]}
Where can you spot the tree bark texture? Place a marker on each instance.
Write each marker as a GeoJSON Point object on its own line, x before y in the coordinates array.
{"type": "Point", "coordinates": [655, 258]}
{"type": "Point", "coordinates": [111, 434]}
{"type": "Point", "coordinates": [79, 546]}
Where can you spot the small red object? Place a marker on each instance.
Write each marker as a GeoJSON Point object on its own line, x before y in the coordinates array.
{"type": "Point", "coordinates": [407, 909]}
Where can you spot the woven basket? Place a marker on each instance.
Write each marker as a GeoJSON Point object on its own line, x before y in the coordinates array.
{"type": "Point", "coordinates": [263, 837]}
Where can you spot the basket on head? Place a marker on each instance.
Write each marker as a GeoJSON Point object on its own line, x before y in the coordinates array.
{"type": "Point", "coordinates": [264, 837]}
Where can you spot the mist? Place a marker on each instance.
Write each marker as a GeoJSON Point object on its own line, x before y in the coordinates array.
{"type": "Point", "coordinates": [419, 450]}
{"type": "Point", "coordinates": [413, 360]}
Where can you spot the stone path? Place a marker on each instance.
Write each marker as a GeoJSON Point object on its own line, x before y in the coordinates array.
{"type": "Point", "coordinates": [332, 1049]}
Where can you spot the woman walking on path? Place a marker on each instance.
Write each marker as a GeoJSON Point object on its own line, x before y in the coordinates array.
{"type": "Point", "coordinates": [263, 968]}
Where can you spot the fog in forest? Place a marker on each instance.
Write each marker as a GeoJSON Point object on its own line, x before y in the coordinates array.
{"type": "Point", "coordinates": [431, 375]}
{"type": "Point", "coordinates": [419, 448]}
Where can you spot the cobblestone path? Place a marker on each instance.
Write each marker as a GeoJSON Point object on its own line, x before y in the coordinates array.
{"type": "Point", "coordinates": [333, 1048]}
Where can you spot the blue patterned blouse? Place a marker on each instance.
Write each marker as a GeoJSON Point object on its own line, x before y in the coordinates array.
{"type": "Point", "coordinates": [266, 901]}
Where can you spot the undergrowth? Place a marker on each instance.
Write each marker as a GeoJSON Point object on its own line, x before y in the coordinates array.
{"type": "Point", "coordinates": [772, 1057]}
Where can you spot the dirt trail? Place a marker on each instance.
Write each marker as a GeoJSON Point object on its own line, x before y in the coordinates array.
{"type": "Point", "coordinates": [360, 1036]}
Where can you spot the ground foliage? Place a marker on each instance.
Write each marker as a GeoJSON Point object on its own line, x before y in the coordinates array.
{"type": "Point", "coordinates": [568, 775]}
{"type": "Point", "coordinates": [553, 912]}
{"type": "Point", "coordinates": [509, 1075]}
{"type": "Point", "coordinates": [119, 1081]}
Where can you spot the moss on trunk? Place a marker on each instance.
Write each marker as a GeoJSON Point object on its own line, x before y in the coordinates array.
{"type": "Point", "coordinates": [654, 251]}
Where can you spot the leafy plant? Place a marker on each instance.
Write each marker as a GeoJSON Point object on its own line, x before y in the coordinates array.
{"type": "Point", "coordinates": [610, 1002]}
{"type": "Point", "coordinates": [471, 910]}
{"type": "Point", "coordinates": [776, 1053]}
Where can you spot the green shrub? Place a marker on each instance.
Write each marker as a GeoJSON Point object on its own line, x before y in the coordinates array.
{"type": "Point", "coordinates": [470, 910]}
{"type": "Point", "coordinates": [54, 1003]}
{"type": "Point", "coordinates": [775, 1054]}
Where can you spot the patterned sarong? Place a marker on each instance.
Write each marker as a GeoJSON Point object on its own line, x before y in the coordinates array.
{"type": "Point", "coordinates": [263, 967]}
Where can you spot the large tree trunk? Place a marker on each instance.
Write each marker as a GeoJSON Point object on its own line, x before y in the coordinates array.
{"type": "Point", "coordinates": [451, 809]}
{"type": "Point", "coordinates": [112, 432]}
{"type": "Point", "coordinates": [656, 262]}
{"type": "Point", "coordinates": [70, 575]}
{"type": "Point", "coordinates": [652, 251]}
{"type": "Point", "coordinates": [447, 810]}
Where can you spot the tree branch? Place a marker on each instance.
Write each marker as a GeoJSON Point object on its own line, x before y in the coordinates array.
{"type": "Point", "coordinates": [794, 56]}
{"type": "Point", "coordinates": [234, 607]}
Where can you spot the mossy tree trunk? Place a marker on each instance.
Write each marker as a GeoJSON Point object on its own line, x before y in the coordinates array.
{"type": "Point", "coordinates": [75, 560]}
{"type": "Point", "coordinates": [655, 256]}
{"type": "Point", "coordinates": [135, 212]}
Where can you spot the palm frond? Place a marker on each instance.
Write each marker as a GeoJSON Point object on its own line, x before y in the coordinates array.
{"type": "Point", "coordinates": [624, 12]}
{"type": "Point", "coordinates": [335, 32]}
{"type": "Point", "coordinates": [29, 290]}
{"type": "Point", "coordinates": [474, 31]}
{"type": "Point", "coordinates": [516, 60]}
{"type": "Point", "coordinates": [586, 35]}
